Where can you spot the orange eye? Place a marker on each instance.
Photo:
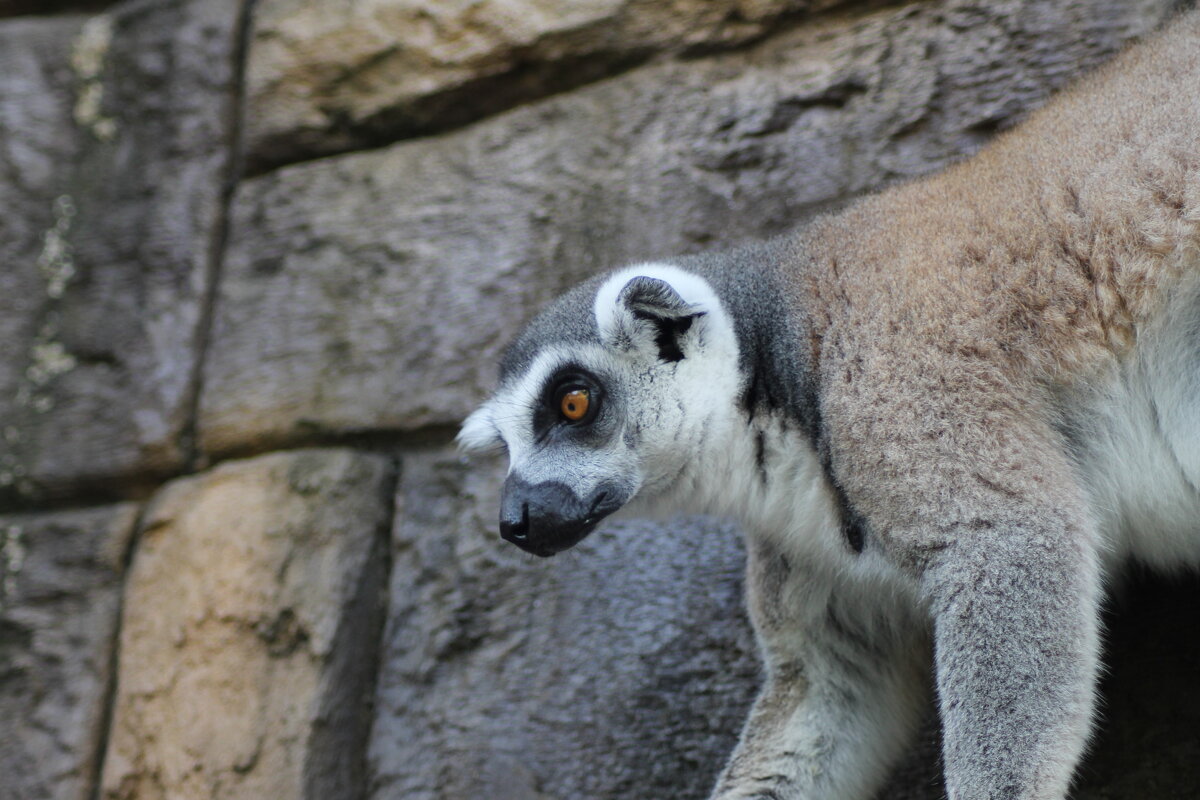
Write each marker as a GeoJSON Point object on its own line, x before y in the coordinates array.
{"type": "Point", "coordinates": [574, 404]}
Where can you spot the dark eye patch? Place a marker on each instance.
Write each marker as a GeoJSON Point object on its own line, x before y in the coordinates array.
{"type": "Point", "coordinates": [548, 415]}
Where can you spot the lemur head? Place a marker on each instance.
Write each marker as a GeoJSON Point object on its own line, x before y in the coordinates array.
{"type": "Point", "coordinates": [612, 393]}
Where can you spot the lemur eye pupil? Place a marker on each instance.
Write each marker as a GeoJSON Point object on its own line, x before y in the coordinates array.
{"type": "Point", "coordinates": [574, 404]}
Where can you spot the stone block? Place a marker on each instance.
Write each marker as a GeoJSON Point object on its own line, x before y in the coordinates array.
{"type": "Point", "coordinates": [620, 669]}
{"type": "Point", "coordinates": [375, 291]}
{"type": "Point", "coordinates": [114, 139]}
{"type": "Point", "coordinates": [37, 137]}
{"type": "Point", "coordinates": [250, 632]}
{"type": "Point", "coordinates": [60, 604]}
{"type": "Point", "coordinates": [326, 77]}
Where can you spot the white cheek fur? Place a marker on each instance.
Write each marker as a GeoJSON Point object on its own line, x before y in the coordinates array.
{"type": "Point", "coordinates": [479, 433]}
{"type": "Point", "coordinates": [510, 412]}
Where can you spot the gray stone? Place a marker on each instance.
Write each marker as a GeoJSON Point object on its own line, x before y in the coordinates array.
{"type": "Point", "coordinates": [375, 291]}
{"type": "Point", "coordinates": [114, 134]}
{"type": "Point", "coordinates": [250, 632]}
{"type": "Point", "coordinates": [60, 600]}
{"type": "Point", "coordinates": [37, 137]}
{"type": "Point", "coordinates": [621, 669]}
{"type": "Point", "coordinates": [327, 76]}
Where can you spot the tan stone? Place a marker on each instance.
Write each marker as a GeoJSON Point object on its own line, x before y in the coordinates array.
{"type": "Point", "coordinates": [249, 633]}
{"type": "Point", "coordinates": [331, 75]}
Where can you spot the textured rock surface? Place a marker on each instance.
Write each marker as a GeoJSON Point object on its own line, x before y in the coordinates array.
{"type": "Point", "coordinates": [616, 671]}
{"type": "Point", "coordinates": [330, 76]}
{"type": "Point", "coordinates": [247, 658]}
{"type": "Point", "coordinates": [375, 291]}
{"type": "Point", "coordinates": [113, 138]}
{"type": "Point", "coordinates": [37, 137]}
{"type": "Point", "coordinates": [60, 599]}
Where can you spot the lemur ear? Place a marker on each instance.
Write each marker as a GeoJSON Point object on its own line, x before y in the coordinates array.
{"type": "Point", "coordinates": [654, 304]}
{"type": "Point", "coordinates": [653, 297]}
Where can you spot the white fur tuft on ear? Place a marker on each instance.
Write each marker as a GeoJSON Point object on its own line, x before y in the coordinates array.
{"type": "Point", "coordinates": [479, 433]}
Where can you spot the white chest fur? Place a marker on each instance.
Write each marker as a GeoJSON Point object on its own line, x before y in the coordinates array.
{"type": "Point", "coordinates": [1137, 434]}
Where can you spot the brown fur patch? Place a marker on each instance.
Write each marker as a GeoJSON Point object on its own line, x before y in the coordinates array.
{"type": "Point", "coordinates": [951, 309]}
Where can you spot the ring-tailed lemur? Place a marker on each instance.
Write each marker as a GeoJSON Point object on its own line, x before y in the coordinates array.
{"type": "Point", "coordinates": [946, 412]}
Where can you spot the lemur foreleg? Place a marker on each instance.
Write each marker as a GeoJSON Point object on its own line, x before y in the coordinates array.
{"type": "Point", "coordinates": [847, 683]}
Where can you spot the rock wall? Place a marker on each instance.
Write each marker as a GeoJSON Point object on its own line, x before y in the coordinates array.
{"type": "Point", "coordinates": [258, 259]}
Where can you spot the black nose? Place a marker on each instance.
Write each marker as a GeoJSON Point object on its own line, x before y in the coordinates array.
{"type": "Point", "coordinates": [514, 523]}
{"type": "Point", "coordinates": [548, 517]}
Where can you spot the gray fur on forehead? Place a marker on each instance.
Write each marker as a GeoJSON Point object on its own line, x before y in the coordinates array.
{"type": "Point", "coordinates": [741, 277]}
{"type": "Point", "coordinates": [567, 320]}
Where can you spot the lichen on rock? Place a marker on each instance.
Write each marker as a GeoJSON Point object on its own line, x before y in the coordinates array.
{"type": "Point", "coordinates": [87, 59]}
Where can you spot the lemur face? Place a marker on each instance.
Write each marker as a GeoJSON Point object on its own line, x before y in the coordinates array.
{"type": "Point", "coordinates": [607, 396]}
